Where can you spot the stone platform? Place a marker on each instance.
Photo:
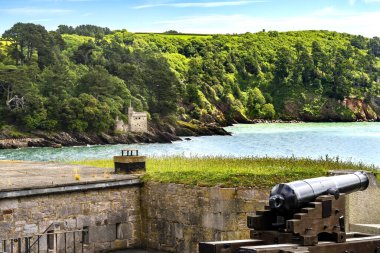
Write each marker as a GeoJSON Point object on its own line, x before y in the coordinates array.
{"type": "Point", "coordinates": [22, 178]}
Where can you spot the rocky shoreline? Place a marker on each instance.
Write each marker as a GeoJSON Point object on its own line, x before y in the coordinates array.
{"type": "Point", "coordinates": [156, 134]}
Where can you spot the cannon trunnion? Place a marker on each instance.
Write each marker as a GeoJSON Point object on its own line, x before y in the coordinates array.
{"type": "Point", "coordinates": [303, 216]}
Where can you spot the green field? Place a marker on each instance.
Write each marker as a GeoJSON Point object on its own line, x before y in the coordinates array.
{"type": "Point", "coordinates": [234, 172]}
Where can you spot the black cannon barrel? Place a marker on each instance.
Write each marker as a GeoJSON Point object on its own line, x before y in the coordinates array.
{"type": "Point", "coordinates": [291, 196]}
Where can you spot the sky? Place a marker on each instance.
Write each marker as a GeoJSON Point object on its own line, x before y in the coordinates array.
{"type": "Point", "coordinates": [199, 16]}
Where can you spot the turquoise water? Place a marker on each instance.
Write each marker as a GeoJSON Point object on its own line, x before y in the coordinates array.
{"type": "Point", "coordinates": [357, 142]}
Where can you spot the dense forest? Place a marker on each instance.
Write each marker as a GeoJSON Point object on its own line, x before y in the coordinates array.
{"type": "Point", "coordinates": [80, 79]}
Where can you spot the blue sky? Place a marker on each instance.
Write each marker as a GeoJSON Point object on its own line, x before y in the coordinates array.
{"type": "Point", "coordinates": [199, 16]}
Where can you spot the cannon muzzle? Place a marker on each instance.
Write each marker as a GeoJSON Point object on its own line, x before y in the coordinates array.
{"type": "Point", "coordinates": [289, 197]}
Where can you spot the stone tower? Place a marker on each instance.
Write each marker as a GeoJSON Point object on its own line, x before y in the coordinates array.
{"type": "Point", "coordinates": [137, 121]}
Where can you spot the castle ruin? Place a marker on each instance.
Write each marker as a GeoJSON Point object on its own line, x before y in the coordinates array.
{"type": "Point", "coordinates": [137, 122]}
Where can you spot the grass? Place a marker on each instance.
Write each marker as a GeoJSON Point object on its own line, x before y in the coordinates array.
{"type": "Point", "coordinates": [235, 172]}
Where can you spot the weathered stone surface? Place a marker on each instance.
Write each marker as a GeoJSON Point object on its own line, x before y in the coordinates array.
{"type": "Point", "coordinates": [30, 229]}
{"type": "Point", "coordinates": [177, 217]}
{"type": "Point", "coordinates": [95, 210]}
{"type": "Point", "coordinates": [102, 234]}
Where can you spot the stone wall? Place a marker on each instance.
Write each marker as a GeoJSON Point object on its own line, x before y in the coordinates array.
{"type": "Point", "coordinates": [169, 217]}
{"type": "Point", "coordinates": [177, 217]}
{"type": "Point", "coordinates": [99, 210]}
{"type": "Point", "coordinates": [364, 207]}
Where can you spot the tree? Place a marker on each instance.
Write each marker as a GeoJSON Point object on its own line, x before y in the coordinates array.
{"type": "Point", "coordinates": [268, 111]}
{"type": "Point", "coordinates": [64, 29]}
{"type": "Point", "coordinates": [171, 32]}
{"type": "Point", "coordinates": [255, 101]}
{"type": "Point", "coordinates": [26, 39]}
{"type": "Point", "coordinates": [374, 46]}
{"type": "Point", "coordinates": [359, 42]}
{"type": "Point", "coordinates": [100, 84]}
{"type": "Point", "coordinates": [283, 64]}
{"type": "Point", "coordinates": [162, 86]}
{"type": "Point", "coordinates": [83, 53]}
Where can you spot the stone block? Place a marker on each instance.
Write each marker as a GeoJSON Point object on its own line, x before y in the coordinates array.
{"type": "Point", "coordinates": [69, 210]}
{"type": "Point", "coordinates": [102, 207]}
{"type": "Point", "coordinates": [224, 206]}
{"type": "Point", "coordinates": [70, 224]}
{"type": "Point", "coordinates": [44, 224]}
{"type": "Point", "coordinates": [117, 217]}
{"type": "Point", "coordinates": [5, 228]}
{"type": "Point", "coordinates": [101, 234]}
{"type": "Point", "coordinates": [100, 219]}
{"type": "Point", "coordinates": [102, 247]}
{"type": "Point", "coordinates": [120, 244]}
{"type": "Point", "coordinates": [178, 230]}
{"type": "Point", "coordinates": [8, 211]}
{"type": "Point", "coordinates": [85, 221]}
{"type": "Point", "coordinates": [27, 204]}
{"type": "Point", "coordinates": [30, 229]}
{"type": "Point", "coordinates": [213, 220]}
{"type": "Point", "coordinates": [235, 235]}
{"type": "Point", "coordinates": [8, 204]}
{"type": "Point", "coordinates": [222, 193]}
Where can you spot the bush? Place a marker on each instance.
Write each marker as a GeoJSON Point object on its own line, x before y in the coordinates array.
{"type": "Point", "coordinates": [268, 111]}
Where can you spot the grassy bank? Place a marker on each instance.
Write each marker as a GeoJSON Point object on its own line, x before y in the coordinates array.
{"type": "Point", "coordinates": [229, 172]}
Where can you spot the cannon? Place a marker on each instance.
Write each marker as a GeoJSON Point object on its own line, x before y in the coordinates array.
{"type": "Point", "coordinates": [289, 197]}
{"type": "Point", "coordinates": [305, 216]}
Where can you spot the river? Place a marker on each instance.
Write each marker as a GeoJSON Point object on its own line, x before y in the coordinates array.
{"type": "Point", "coordinates": [357, 142]}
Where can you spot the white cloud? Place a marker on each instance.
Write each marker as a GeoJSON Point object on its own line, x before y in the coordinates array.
{"type": "Point", "coordinates": [352, 2]}
{"type": "Point", "coordinates": [35, 11]}
{"type": "Point", "coordinates": [365, 23]}
{"type": "Point", "coordinates": [198, 4]}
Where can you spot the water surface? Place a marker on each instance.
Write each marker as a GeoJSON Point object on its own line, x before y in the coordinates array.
{"type": "Point", "coordinates": [357, 142]}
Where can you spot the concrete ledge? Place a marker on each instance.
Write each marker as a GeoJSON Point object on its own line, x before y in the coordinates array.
{"type": "Point", "coordinates": [129, 159]}
{"type": "Point", "coordinates": [373, 229]}
{"type": "Point", "coordinates": [68, 188]}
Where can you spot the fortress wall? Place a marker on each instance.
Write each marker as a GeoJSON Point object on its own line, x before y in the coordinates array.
{"type": "Point", "coordinates": [101, 211]}
{"type": "Point", "coordinates": [177, 217]}
{"type": "Point", "coordinates": [162, 216]}
{"type": "Point", "coordinates": [364, 207]}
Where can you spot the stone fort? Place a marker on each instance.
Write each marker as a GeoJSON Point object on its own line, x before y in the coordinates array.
{"type": "Point", "coordinates": [137, 122]}
{"type": "Point", "coordinates": [43, 208]}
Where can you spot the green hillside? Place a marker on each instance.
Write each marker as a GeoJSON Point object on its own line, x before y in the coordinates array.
{"type": "Point", "coordinates": [81, 79]}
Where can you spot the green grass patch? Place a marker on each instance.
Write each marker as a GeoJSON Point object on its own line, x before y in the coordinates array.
{"type": "Point", "coordinates": [234, 172]}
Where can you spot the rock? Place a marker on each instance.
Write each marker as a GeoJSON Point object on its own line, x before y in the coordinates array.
{"type": "Point", "coordinates": [156, 134]}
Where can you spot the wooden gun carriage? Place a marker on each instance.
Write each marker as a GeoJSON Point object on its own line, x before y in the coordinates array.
{"type": "Point", "coordinates": [305, 216]}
